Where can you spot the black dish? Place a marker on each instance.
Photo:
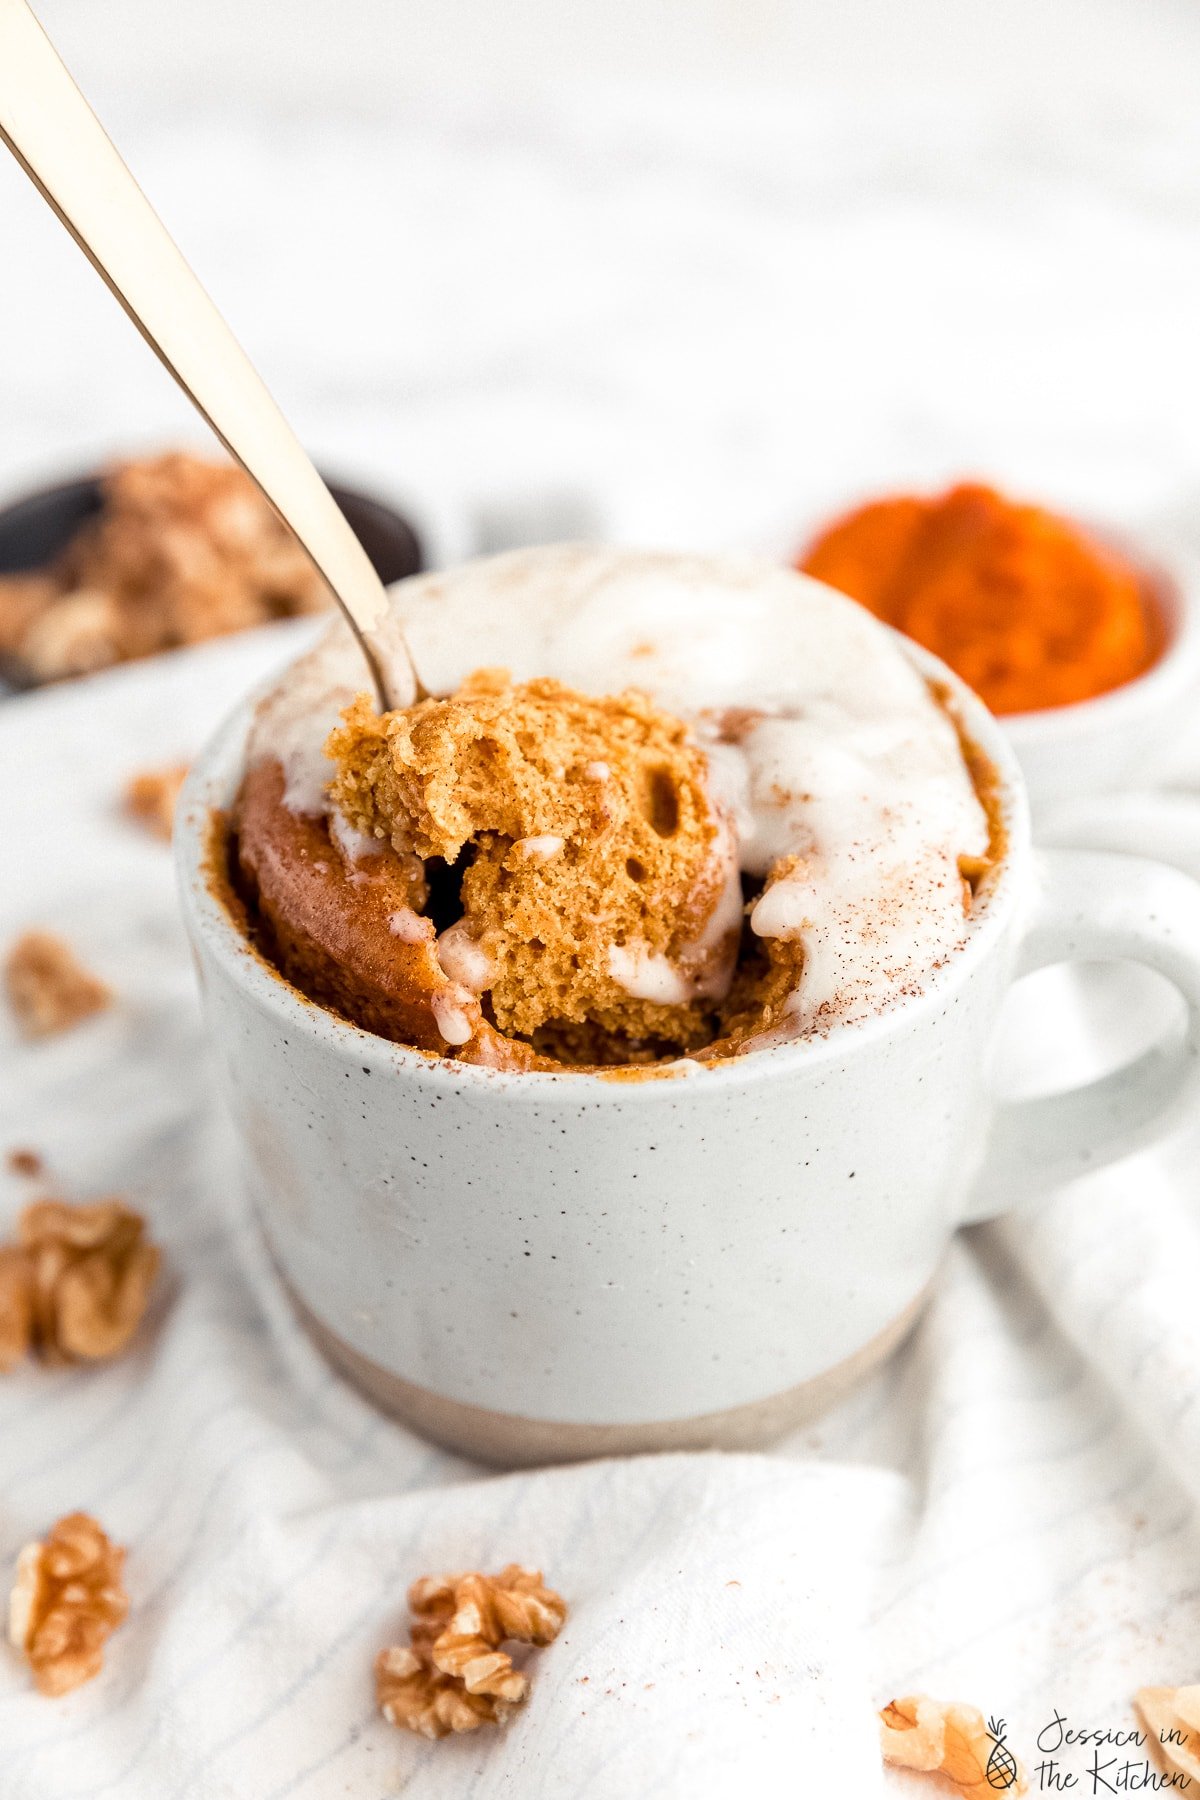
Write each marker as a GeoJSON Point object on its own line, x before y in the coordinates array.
{"type": "Point", "coordinates": [34, 529]}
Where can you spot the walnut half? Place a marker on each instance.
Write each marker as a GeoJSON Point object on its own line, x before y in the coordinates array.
{"type": "Point", "coordinates": [937, 1737]}
{"type": "Point", "coordinates": [90, 1273]}
{"type": "Point", "coordinates": [413, 1695]}
{"type": "Point", "coordinates": [454, 1676]}
{"type": "Point", "coordinates": [66, 1602]}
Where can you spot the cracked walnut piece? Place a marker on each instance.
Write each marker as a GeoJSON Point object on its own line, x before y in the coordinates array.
{"type": "Point", "coordinates": [412, 1694]}
{"type": "Point", "coordinates": [454, 1676]}
{"type": "Point", "coordinates": [1171, 1717]}
{"type": "Point", "coordinates": [89, 1273]}
{"type": "Point", "coordinates": [49, 989]}
{"type": "Point", "coordinates": [937, 1737]}
{"type": "Point", "coordinates": [66, 1602]}
{"type": "Point", "coordinates": [150, 797]}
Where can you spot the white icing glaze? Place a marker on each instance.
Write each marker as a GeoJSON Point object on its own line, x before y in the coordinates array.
{"type": "Point", "coordinates": [315, 688]}
{"type": "Point", "coordinates": [464, 959]}
{"type": "Point", "coordinates": [649, 975]}
{"type": "Point", "coordinates": [451, 1015]}
{"type": "Point", "coordinates": [409, 926]}
{"type": "Point", "coordinates": [852, 768]}
{"type": "Point", "coordinates": [712, 956]}
{"type": "Point", "coordinates": [702, 969]}
{"type": "Point", "coordinates": [878, 818]}
{"type": "Point", "coordinates": [542, 847]}
{"type": "Point", "coordinates": [352, 843]}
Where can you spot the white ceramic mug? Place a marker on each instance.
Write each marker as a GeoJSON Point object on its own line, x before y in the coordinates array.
{"type": "Point", "coordinates": [538, 1266]}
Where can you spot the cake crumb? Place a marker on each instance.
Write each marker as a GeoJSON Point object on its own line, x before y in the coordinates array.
{"type": "Point", "coordinates": [26, 1163]}
{"type": "Point", "coordinates": [150, 797]}
{"type": "Point", "coordinates": [49, 990]}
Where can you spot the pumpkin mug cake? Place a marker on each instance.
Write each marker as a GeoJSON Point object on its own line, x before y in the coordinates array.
{"type": "Point", "coordinates": [606, 1032]}
{"type": "Point", "coordinates": [662, 854]}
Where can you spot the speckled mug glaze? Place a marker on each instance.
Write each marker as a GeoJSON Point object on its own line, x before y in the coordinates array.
{"type": "Point", "coordinates": [538, 1266]}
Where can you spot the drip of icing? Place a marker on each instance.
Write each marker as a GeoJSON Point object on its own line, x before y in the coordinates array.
{"type": "Point", "coordinates": [451, 1015]}
{"type": "Point", "coordinates": [714, 953]}
{"type": "Point", "coordinates": [409, 926]}
{"type": "Point", "coordinates": [464, 959]}
{"type": "Point", "coordinates": [648, 975]}
{"type": "Point", "coordinates": [352, 843]}
{"type": "Point", "coordinates": [702, 969]}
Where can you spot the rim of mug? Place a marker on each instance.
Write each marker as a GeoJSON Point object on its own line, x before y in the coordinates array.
{"type": "Point", "coordinates": [212, 784]}
{"type": "Point", "coordinates": [1177, 597]}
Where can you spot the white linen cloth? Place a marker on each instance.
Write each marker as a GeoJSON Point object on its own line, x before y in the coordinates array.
{"type": "Point", "coordinates": [1004, 1515]}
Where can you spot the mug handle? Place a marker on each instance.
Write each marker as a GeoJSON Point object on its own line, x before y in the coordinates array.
{"type": "Point", "coordinates": [1100, 906]}
{"type": "Point", "coordinates": [1162, 825]}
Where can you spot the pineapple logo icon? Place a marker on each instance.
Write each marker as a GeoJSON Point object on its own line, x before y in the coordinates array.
{"type": "Point", "coordinates": [1001, 1772]}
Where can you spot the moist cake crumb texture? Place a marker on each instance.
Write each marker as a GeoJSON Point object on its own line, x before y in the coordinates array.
{"type": "Point", "coordinates": [597, 875]}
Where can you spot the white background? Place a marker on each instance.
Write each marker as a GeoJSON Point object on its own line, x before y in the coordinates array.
{"type": "Point", "coordinates": [685, 273]}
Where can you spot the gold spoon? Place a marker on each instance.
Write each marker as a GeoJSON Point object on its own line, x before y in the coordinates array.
{"type": "Point", "coordinates": [63, 148]}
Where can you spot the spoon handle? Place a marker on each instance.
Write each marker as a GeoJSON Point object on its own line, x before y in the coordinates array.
{"type": "Point", "coordinates": [63, 148]}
